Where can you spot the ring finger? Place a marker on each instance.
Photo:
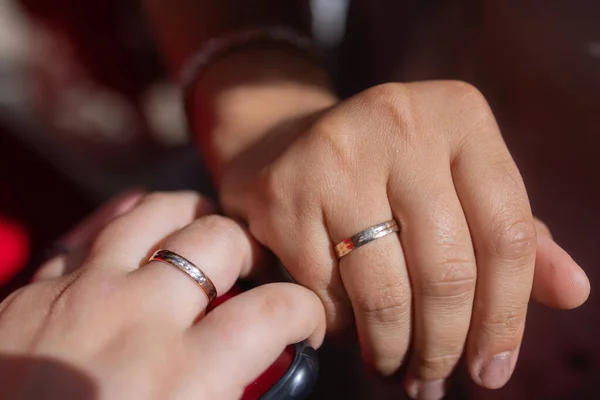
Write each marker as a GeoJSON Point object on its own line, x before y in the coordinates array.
{"type": "Point", "coordinates": [376, 280]}
{"type": "Point", "coordinates": [218, 247]}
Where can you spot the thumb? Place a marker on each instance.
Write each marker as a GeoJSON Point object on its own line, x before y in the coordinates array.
{"type": "Point", "coordinates": [558, 281]}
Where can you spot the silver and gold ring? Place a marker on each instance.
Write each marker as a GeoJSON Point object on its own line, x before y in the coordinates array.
{"type": "Point", "coordinates": [368, 235]}
{"type": "Point", "coordinates": [187, 267]}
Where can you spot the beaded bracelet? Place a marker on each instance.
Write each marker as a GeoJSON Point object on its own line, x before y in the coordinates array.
{"type": "Point", "coordinates": [218, 47]}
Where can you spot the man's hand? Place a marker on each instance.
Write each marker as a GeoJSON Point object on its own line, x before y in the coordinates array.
{"type": "Point", "coordinates": [460, 272]}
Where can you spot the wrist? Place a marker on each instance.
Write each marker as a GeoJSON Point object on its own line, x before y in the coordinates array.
{"type": "Point", "coordinates": [244, 95]}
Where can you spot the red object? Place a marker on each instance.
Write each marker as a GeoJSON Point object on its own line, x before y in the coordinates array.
{"type": "Point", "coordinates": [37, 206]}
{"type": "Point", "coordinates": [274, 373]}
{"type": "Point", "coordinates": [14, 248]}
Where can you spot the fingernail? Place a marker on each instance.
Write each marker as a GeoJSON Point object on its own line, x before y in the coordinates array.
{"type": "Point", "coordinates": [430, 390]}
{"type": "Point", "coordinates": [497, 371]}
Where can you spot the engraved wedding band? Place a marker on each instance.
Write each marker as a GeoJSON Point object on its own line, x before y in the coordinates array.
{"type": "Point", "coordinates": [189, 269]}
{"type": "Point", "coordinates": [368, 235]}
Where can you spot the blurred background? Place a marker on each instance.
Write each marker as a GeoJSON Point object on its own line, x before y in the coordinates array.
{"type": "Point", "coordinates": [86, 110]}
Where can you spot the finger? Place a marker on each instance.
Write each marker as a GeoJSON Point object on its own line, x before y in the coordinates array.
{"type": "Point", "coordinates": [441, 264]}
{"type": "Point", "coordinates": [497, 209]}
{"type": "Point", "coordinates": [74, 245]}
{"type": "Point", "coordinates": [242, 337]}
{"type": "Point", "coordinates": [313, 262]}
{"type": "Point", "coordinates": [375, 278]}
{"type": "Point", "coordinates": [558, 281]}
{"type": "Point", "coordinates": [84, 233]}
{"type": "Point", "coordinates": [542, 229]}
{"type": "Point", "coordinates": [129, 240]}
{"type": "Point", "coordinates": [218, 246]}
{"type": "Point", "coordinates": [60, 265]}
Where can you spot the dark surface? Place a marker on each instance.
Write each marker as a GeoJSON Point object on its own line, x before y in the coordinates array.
{"type": "Point", "coordinates": [37, 196]}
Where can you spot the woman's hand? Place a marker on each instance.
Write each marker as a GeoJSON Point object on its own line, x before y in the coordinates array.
{"type": "Point", "coordinates": [119, 327]}
{"type": "Point", "coordinates": [463, 267]}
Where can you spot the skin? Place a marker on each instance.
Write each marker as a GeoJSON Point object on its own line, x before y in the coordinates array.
{"type": "Point", "coordinates": [112, 329]}
{"type": "Point", "coordinates": [305, 170]}
{"type": "Point", "coordinates": [460, 274]}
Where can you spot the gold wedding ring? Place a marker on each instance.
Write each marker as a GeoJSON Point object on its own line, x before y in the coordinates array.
{"type": "Point", "coordinates": [189, 269]}
{"type": "Point", "coordinates": [368, 235]}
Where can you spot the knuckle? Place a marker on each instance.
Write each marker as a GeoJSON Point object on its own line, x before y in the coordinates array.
{"type": "Point", "coordinates": [329, 124]}
{"type": "Point", "coordinates": [334, 138]}
{"type": "Point", "coordinates": [471, 102]}
{"type": "Point", "coordinates": [454, 278]}
{"type": "Point", "coordinates": [462, 88]}
{"type": "Point", "coordinates": [287, 189]}
{"type": "Point", "coordinates": [393, 103]}
{"type": "Point", "coordinates": [391, 93]}
{"type": "Point", "coordinates": [166, 198]}
{"type": "Point", "coordinates": [272, 188]}
{"type": "Point", "coordinates": [504, 325]}
{"type": "Point", "coordinates": [514, 240]}
{"type": "Point", "coordinates": [385, 313]}
{"type": "Point", "coordinates": [156, 197]}
{"type": "Point", "coordinates": [389, 306]}
{"type": "Point", "coordinates": [468, 93]}
{"type": "Point", "coordinates": [225, 229]}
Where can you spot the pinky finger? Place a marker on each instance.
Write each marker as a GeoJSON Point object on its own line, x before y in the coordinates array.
{"type": "Point", "coordinates": [559, 282]}
{"type": "Point", "coordinates": [244, 336]}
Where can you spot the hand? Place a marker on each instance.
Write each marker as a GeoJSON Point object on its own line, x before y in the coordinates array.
{"type": "Point", "coordinates": [119, 327]}
{"type": "Point", "coordinates": [430, 156]}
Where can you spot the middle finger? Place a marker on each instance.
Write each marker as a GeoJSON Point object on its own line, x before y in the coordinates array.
{"type": "Point", "coordinates": [375, 278]}
{"type": "Point", "coordinates": [442, 269]}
